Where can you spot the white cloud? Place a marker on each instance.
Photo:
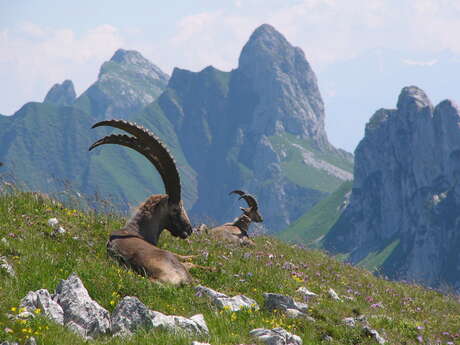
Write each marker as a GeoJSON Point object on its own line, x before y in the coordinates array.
{"type": "Point", "coordinates": [34, 58]}
{"type": "Point", "coordinates": [420, 63]}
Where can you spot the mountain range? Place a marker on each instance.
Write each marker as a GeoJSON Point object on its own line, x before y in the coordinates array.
{"type": "Point", "coordinates": [259, 127]}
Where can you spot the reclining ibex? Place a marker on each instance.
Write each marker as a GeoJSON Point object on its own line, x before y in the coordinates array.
{"type": "Point", "coordinates": [135, 245]}
{"type": "Point", "coordinates": [237, 231]}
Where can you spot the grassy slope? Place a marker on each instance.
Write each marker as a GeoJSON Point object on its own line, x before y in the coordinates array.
{"type": "Point", "coordinates": [315, 223]}
{"type": "Point", "coordinates": [41, 261]}
{"type": "Point", "coordinates": [306, 175]}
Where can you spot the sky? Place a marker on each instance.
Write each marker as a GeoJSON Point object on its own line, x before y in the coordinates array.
{"type": "Point", "coordinates": [363, 52]}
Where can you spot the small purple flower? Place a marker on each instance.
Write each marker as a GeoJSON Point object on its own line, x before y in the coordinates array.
{"type": "Point", "coordinates": [420, 339]}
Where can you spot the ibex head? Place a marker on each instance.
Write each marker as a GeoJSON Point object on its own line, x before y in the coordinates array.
{"type": "Point", "coordinates": [161, 211]}
{"type": "Point", "coordinates": [253, 210]}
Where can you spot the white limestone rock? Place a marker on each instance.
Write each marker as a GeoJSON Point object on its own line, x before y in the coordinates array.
{"type": "Point", "coordinates": [6, 266]}
{"type": "Point", "coordinates": [81, 313]}
{"type": "Point", "coordinates": [41, 299]}
{"type": "Point", "coordinates": [274, 301]}
{"type": "Point", "coordinates": [222, 301]}
{"type": "Point", "coordinates": [276, 336]}
{"type": "Point", "coordinates": [129, 315]}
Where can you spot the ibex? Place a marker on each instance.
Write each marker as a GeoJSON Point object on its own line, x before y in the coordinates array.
{"type": "Point", "coordinates": [237, 231]}
{"type": "Point", "coordinates": [135, 245]}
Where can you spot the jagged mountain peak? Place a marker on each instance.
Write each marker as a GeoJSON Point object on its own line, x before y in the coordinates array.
{"type": "Point", "coordinates": [403, 211]}
{"type": "Point", "coordinates": [412, 98]}
{"type": "Point", "coordinates": [133, 61]}
{"type": "Point", "coordinates": [61, 94]}
{"type": "Point", "coordinates": [286, 86]}
{"type": "Point", "coordinates": [267, 43]}
{"type": "Point", "coordinates": [126, 83]}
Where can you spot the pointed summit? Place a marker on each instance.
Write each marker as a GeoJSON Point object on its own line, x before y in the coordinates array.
{"type": "Point", "coordinates": [126, 84]}
{"type": "Point", "coordinates": [413, 98]}
{"type": "Point", "coordinates": [289, 98]}
{"type": "Point", "coordinates": [61, 94]}
{"type": "Point", "coordinates": [131, 58]}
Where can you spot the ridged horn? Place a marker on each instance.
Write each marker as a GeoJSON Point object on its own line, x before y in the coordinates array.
{"type": "Point", "coordinates": [239, 192]}
{"type": "Point", "coordinates": [252, 202]}
{"type": "Point", "coordinates": [150, 146]}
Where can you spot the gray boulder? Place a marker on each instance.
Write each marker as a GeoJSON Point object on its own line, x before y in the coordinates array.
{"type": "Point", "coordinates": [276, 336]}
{"type": "Point", "coordinates": [129, 315]}
{"type": "Point", "coordinates": [81, 313]}
{"type": "Point", "coordinates": [6, 266]}
{"type": "Point", "coordinates": [274, 301]}
{"type": "Point", "coordinates": [178, 324]}
{"type": "Point", "coordinates": [41, 299]}
{"type": "Point", "coordinates": [374, 334]}
{"type": "Point", "coordinates": [222, 301]}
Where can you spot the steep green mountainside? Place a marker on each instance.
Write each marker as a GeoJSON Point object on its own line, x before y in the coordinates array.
{"type": "Point", "coordinates": [46, 148]}
{"type": "Point", "coordinates": [310, 228]}
{"type": "Point", "coordinates": [401, 313]}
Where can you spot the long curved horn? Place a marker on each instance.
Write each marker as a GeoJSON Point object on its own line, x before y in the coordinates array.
{"type": "Point", "coordinates": [239, 192]}
{"type": "Point", "coordinates": [150, 146]}
{"type": "Point", "coordinates": [252, 202]}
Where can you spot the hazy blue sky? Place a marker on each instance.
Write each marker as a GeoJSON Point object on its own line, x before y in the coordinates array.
{"type": "Point", "coordinates": [363, 51]}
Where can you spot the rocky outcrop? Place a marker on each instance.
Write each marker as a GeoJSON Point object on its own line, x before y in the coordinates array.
{"type": "Point", "coordinates": [126, 84]}
{"type": "Point", "coordinates": [72, 307]}
{"type": "Point", "coordinates": [260, 128]}
{"type": "Point", "coordinates": [61, 94]}
{"type": "Point", "coordinates": [405, 201]}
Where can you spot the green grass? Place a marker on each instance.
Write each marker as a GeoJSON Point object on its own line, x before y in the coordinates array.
{"type": "Point", "coordinates": [374, 260]}
{"type": "Point", "coordinates": [304, 175]}
{"type": "Point", "coordinates": [310, 228]}
{"type": "Point", "coordinates": [41, 261]}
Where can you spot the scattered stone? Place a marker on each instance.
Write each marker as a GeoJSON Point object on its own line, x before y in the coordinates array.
{"type": "Point", "coordinates": [53, 222]}
{"type": "Point", "coordinates": [41, 299]}
{"type": "Point", "coordinates": [295, 314]}
{"type": "Point", "coordinates": [222, 301]}
{"type": "Point", "coordinates": [333, 295]}
{"type": "Point", "coordinates": [31, 341]}
{"type": "Point", "coordinates": [274, 301]}
{"type": "Point", "coordinates": [198, 343]}
{"type": "Point", "coordinates": [349, 321]}
{"type": "Point", "coordinates": [5, 265]}
{"type": "Point", "coordinates": [25, 315]}
{"type": "Point", "coordinates": [8, 343]}
{"type": "Point", "coordinates": [276, 336]}
{"type": "Point", "coordinates": [179, 324]}
{"type": "Point", "coordinates": [203, 290]}
{"type": "Point", "coordinates": [129, 315]}
{"type": "Point", "coordinates": [328, 338]}
{"type": "Point", "coordinates": [306, 293]}
{"type": "Point", "coordinates": [374, 334]}
{"type": "Point", "coordinates": [81, 314]}
{"type": "Point", "coordinates": [59, 231]}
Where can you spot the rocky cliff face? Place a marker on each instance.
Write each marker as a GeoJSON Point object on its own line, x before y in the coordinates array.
{"type": "Point", "coordinates": [404, 210]}
{"type": "Point", "coordinates": [259, 127]}
{"type": "Point", "coordinates": [61, 94]}
{"type": "Point", "coordinates": [126, 84]}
